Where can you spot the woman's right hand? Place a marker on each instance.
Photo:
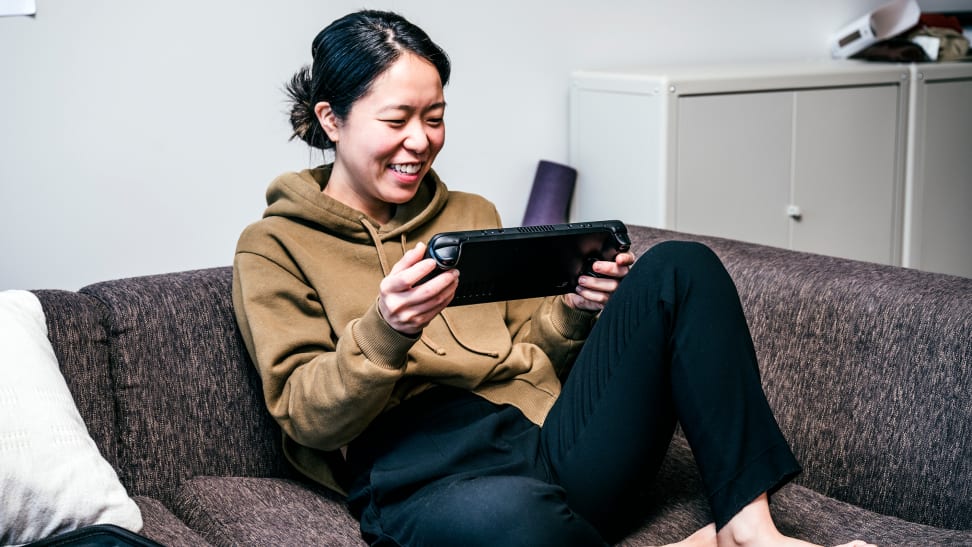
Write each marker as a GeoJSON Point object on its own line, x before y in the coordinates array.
{"type": "Point", "coordinates": [406, 307]}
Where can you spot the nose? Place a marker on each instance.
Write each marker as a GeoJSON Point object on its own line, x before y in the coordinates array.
{"type": "Point", "coordinates": [417, 139]}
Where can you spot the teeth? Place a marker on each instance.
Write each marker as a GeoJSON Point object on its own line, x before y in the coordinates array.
{"type": "Point", "coordinates": [406, 168]}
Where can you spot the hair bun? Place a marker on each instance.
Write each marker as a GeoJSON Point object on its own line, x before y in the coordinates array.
{"type": "Point", "coordinates": [303, 120]}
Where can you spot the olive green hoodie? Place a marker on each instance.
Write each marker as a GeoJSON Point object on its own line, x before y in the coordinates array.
{"type": "Point", "coordinates": [305, 288]}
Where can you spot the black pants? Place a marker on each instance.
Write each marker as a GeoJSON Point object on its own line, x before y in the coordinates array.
{"type": "Point", "coordinates": [450, 468]}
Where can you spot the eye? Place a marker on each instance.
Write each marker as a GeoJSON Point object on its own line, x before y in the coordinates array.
{"type": "Point", "coordinates": [394, 122]}
{"type": "Point", "coordinates": [435, 122]}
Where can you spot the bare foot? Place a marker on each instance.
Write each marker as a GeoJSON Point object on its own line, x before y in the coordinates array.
{"type": "Point", "coordinates": [753, 527]}
{"type": "Point", "coordinates": [705, 537]}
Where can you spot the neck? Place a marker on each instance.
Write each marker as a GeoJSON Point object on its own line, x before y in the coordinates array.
{"type": "Point", "coordinates": [378, 210]}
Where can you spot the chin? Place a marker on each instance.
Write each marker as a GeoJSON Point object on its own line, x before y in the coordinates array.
{"type": "Point", "coordinates": [403, 193]}
{"type": "Point", "coordinates": [401, 197]}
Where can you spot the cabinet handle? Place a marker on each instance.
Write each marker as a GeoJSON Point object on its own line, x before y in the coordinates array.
{"type": "Point", "coordinates": [794, 212]}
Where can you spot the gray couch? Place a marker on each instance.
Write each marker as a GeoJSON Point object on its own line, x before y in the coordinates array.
{"type": "Point", "coordinates": [868, 367]}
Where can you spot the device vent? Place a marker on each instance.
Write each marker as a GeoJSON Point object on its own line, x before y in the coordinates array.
{"type": "Point", "coordinates": [536, 229]}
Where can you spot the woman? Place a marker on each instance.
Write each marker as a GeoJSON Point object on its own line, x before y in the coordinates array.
{"type": "Point", "coordinates": [449, 426]}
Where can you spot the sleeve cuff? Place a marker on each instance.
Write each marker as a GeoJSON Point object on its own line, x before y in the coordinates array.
{"type": "Point", "coordinates": [571, 323]}
{"type": "Point", "coordinates": [379, 343]}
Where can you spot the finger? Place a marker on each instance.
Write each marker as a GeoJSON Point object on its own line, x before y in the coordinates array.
{"type": "Point", "coordinates": [410, 311]}
{"type": "Point", "coordinates": [418, 271]}
{"type": "Point", "coordinates": [579, 302]}
{"type": "Point", "coordinates": [407, 273]}
{"type": "Point", "coordinates": [624, 259]}
{"type": "Point", "coordinates": [595, 297]}
{"type": "Point", "coordinates": [399, 294]}
{"type": "Point", "coordinates": [610, 269]}
{"type": "Point", "coordinates": [409, 259]}
{"type": "Point", "coordinates": [600, 284]}
{"type": "Point", "coordinates": [447, 281]}
{"type": "Point", "coordinates": [596, 290]}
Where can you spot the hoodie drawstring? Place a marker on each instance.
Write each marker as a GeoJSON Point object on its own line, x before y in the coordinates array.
{"type": "Point", "coordinates": [373, 232]}
{"type": "Point", "coordinates": [491, 354]}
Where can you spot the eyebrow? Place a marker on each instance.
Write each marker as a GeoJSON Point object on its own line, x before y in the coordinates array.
{"type": "Point", "coordinates": [408, 108]}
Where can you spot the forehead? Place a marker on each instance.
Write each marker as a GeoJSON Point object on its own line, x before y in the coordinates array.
{"type": "Point", "coordinates": [410, 81]}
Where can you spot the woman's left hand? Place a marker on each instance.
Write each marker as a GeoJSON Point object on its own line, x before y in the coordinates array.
{"type": "Point", "coordinates": [594, 292]}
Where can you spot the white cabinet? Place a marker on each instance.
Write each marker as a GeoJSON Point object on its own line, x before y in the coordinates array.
{"type": "Point", "coordinates": [801, 156]}
{"type": "Point", "coordinates": [938, 231]}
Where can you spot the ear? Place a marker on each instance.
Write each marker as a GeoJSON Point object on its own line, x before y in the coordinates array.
{"type": "Point", "coordinates": [327, 119]}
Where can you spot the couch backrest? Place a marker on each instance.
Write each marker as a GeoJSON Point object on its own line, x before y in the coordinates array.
{"type": "Point", "coordinates": [869, 371]}
{"type": "Point", "coordinates": [187, 399]}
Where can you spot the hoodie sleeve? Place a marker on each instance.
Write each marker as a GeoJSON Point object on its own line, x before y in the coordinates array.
{"type": "Point", "coordinates": [322, 393]}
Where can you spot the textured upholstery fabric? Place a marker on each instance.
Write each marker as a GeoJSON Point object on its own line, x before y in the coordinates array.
{"type": "Point", "coordinates": [675, 507]}
{"type": "Point", "coordinates": [75, 326]}
{"type": "Point", "coordinates": [249, 511]}
{"type": "Point", "coordinates": [869, 371]}
{"type": "Point", "coordinates": [164, 527]}
{"type": "Point", "coordinates": [188, 400]}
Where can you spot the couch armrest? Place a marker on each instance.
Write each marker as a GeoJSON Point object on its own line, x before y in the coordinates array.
{"type": "Point", "coordinates": [77, 331]}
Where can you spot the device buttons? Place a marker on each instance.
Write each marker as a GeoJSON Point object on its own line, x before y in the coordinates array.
{"type": "Point", "coordinates": [445, 251]}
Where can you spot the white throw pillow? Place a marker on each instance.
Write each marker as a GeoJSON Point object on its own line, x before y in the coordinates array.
{"type": "Point", "coordinates": [52, 477]}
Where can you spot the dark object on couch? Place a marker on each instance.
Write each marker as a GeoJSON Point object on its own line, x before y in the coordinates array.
{"type": "Point", "coordinates": [550, 195]}
{"type": "Point", "coordinates": [98, 535]}
{"type": "Point", "coordinates": [868, 367]}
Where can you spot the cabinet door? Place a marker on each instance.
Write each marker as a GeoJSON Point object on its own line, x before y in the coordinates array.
{"type": "Point", "coordinates": [844, 175]}
{"type": "Point", "coordinates": [733, 166]}
{"type": "Point", "coordinates": [616, 145]}
{"type": "Point", "coordinates": [942, 234]}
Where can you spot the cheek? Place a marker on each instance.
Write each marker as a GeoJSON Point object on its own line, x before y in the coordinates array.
{"type": "Point", "coordinates": [380, 145]}
{"type": "Point", "coordinates": [437, 138]}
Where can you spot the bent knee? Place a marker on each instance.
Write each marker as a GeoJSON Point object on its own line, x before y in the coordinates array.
{"type": "Point", "coordinates": [683, 255]}
{"type": "Point", "coordinates": [679, 251]}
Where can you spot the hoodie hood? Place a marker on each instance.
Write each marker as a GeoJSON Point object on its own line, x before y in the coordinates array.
{"type": "Point", "coordinates": [299, 196]}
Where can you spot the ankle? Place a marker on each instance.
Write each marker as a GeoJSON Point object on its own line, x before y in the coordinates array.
{"type": "Point", "coordinates": [752, 525]}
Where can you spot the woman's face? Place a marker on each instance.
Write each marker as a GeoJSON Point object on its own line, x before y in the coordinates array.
{"type": "Point", "coordinates": [389, 139]}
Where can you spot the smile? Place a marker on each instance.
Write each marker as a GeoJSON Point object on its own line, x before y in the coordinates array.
{"type": "Point", "coordinates": [406, 168]}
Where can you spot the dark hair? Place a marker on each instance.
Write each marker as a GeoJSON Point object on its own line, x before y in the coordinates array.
{"type": "Point", "coordinates": [349, 54]}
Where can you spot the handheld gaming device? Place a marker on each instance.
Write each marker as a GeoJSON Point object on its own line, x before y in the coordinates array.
{"type": "Point", "coordinates": [511, 263]}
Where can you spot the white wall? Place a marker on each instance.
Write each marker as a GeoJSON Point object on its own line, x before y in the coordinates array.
{"type": "Point", "coordinates": [138, 137]}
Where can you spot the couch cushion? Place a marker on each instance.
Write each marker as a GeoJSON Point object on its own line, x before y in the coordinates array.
{"type": "Point", "coordinates": [676, 508]}
{"type": "Point", "coordinates": [188, 399]}
{"type": "Point", "coordinates": [868, 369]}
{"type": "Point", "coordinates": [164, 527]}
{"type": "Point", "coordinates": [255, 511]}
